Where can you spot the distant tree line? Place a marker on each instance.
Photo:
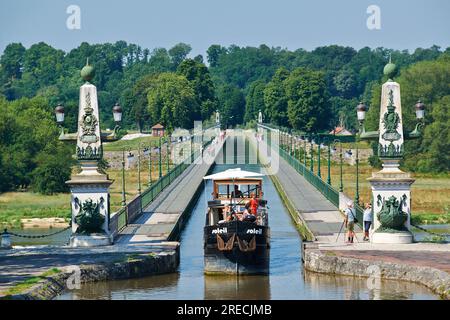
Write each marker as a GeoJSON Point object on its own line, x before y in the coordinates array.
{"type": "Point", "coordinates": [306, 90]}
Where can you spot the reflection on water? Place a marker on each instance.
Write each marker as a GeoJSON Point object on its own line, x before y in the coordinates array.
{"type": "Point", "coordinates": [232, 287]}
{"type": "Point", "coordinates": [286, 280]}
{"type": "Point", "coordinates": [420, 235]}
{"type": "Point", "coordinates": [350, 288]}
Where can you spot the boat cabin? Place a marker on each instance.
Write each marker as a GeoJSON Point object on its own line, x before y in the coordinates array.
{"type": "Point", "coordinates": [232, 200]}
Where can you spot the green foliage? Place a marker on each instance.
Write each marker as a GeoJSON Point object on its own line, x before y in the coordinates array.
{"type": "Point", "coordinates": [172, 101]}
{"type": "Point", "coordinates": [308, 107]}
{"type": "Point", "coordinates": [30, 151]}
{"type": "Point", "coordinates": [50, 175]}
{"type": "Point", "coordinates": [254, 100]}
{"type": "Point", "coordinates": [178, 53]}
{"type": "Point", "coordinates": [232, 103]}
{"type": "Point", "coordinates": [198, 75]}
{"type": "Point", "coordinates": [275, 99]}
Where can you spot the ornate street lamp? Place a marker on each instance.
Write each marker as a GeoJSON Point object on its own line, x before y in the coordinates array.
{"type": "Point", "coordinates": [391, 187]}
{"type": "Point", "coordinates": [59, 113]}
{"type": "Point", "coordinates": [361, 114]}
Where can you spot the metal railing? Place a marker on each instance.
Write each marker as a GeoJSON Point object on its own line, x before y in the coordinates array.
{"type": "Point", "coordinates": [133, 209]}
{"type": "Point", "coordinates": [328, 191]}
{"type": "Point", "coordinates": [323, 187]}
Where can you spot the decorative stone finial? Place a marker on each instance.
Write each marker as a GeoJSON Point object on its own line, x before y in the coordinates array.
{"type": "Point", "coordinates": [390, 69]}
{"type": "Point", "coordinates": [88, 71]}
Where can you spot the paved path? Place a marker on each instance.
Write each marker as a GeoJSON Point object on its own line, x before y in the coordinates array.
{"type": "Point", "coordinates": [322, 217]}
{"type": "Point", "coordinates": [161, 218]}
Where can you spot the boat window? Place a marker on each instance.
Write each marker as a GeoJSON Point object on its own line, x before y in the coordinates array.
{"type": "Point", "coordinates": [223, 190]}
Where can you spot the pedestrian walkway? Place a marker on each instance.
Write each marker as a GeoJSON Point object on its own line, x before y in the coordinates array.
{"type": "Point", "coordinates": [323, 218]}
{"type": "Point", "coordinates": [164, 218]}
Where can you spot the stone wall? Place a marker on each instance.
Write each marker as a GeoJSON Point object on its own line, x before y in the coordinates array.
{"type": "Point", "coordinates": [134, 266]}
{"type": "Point", "coordinates": [326, 262]}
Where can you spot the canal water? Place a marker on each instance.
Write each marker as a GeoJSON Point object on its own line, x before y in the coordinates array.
{"type": "Point", "coordinates": [286, 280]}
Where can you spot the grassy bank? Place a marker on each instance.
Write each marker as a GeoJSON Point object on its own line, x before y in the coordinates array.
{"type": "Point", "coordinates": [132, 144]}
{"type": "Point", "coordinates": [15, 206]}
{"type": "Point", "coordinates": [20, 205]}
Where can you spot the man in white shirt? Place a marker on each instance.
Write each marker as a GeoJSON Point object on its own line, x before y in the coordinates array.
{"type": "Point", "coordinates": [367, 220]}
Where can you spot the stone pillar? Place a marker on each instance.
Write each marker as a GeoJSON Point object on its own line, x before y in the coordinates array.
{"type": "Point", "coordinates": [391, 193]}
{"type": "Point", "coordinates": [90, 187]}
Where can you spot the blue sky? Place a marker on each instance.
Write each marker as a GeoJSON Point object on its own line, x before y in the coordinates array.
{"type": "Point", "coordinates": [288, 24]}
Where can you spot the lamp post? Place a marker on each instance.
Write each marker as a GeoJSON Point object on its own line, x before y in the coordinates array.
{"type": "Point", "coordinates": [59, 113]}
{"type": "Point", "coordinates": [329, 163]}
{"type": "Point", "coordinates": [160, 158]}
{"type": "Point", "coordinates": [90, 187]}
{"type": "Point", "coordinates": [318, 157]}
{"type": "Point", "coordinates": [148, 153]}
{"type": "Point", "coordinates": [304, 149]}
{"type": "Point", "coordinates": [168, 156]}
{"type": "Point", "coordinates": [391, 187]}
{"type": "Point", "coordinates": [139, 168]}
{"type": "Point", "coordinates": [311, 168]}
{"type": "Point", "coordinates": [357, 174]}
{"type": "Point", "coordinates": [124, 200]}
{"type": "Point", "coordinates": [341, 184]}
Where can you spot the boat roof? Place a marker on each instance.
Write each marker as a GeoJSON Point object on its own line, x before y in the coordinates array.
{"type": "Point", "coordinates": [231, 174]}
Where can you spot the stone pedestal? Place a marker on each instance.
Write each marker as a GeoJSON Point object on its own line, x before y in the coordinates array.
{"type": "Point", "coordinates": [93, 240]}
{"type": "Point", "coordinates": [90, 191]}
{"type": "Point", "coordinates": [5, 239]}
{"type": "Point", "coordinates": [391, 183]}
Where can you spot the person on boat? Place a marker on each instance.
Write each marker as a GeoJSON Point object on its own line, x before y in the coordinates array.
{"type": "Point", "coordinates": [249, 216]}
{"type": "Point", "coordinates": [253, 203]}
{"type": "Point", "coordinates": [236, 193]}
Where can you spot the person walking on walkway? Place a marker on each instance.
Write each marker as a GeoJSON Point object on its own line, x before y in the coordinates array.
{"type": "Point", "coordinates": [367, 220]}
{"type": "Point", "coordinates": [350, 222]}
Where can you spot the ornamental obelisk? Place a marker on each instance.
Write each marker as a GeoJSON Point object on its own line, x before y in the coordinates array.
{"type": "Point", "coordinates": [391, 194]}
{"type": "Point", "coordinates": [89, 188]}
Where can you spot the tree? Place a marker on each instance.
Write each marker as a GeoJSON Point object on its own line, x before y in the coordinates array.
{"type": "Point", "coordinates": [198, 75]}
{"type": "Point", "coordinates": [308, 106]}
{"type": "Point", "coordinates": [232, 102]}
{"type": "Point", "coordinates": [30, 150]}
{"type": "Point", "coordinates": [178, 53]}
{"type": "Point", "coordinates": [213, 54]}
{"type": "Point", "coordinates": [275, 100]}
{"type": "Point", "coordinates": [49, 176]}
{"type": "Point", "coordinates": [254, 100]}
{"type": "Point", "coordinates": [172, 101]}
{"type": "Point", "coordinates": [12, 60]}
{"type": "Point", "coordinates": [436, 141]}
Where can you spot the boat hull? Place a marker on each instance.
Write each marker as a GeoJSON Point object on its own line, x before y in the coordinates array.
{"type": "Point", "coordinates": [248, 254]}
